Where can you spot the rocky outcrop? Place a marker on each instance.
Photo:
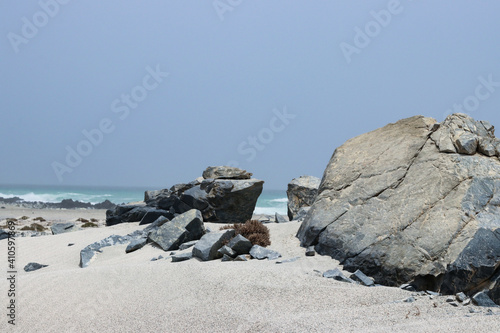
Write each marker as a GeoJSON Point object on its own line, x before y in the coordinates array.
{"type": "Point", "coordinates": [225, 194]}
{"type": "Point", "coordinates": [301, 192]}
{"type": "Point", "coordinates": [414, 202]}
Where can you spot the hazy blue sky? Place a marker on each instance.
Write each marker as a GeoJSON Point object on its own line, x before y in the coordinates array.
{"type": "Point", "coordinates": [274, 86]}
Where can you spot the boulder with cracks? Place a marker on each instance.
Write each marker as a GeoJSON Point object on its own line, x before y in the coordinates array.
{"type": "Point", "coordinates": [414, 202]}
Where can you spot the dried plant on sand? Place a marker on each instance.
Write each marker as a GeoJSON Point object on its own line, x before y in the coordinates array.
{"type": "Point", "coordinates": [253, 230]}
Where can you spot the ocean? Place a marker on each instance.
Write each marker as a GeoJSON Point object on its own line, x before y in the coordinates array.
{"type": "Point", "coordinates": [269, 202]}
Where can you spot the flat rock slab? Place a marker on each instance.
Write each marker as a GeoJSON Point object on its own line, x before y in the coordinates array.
{"type": "Point", "coordinates": [259, 252]}
{"type": "Point", "coordinates": [33, 266]}
{"type": "Point", "coordinates": [337, 274]}
{"type": "Point", "coordinates": [60, 228]}
{"type": "Point", "coordinates": [482, 299]}
{"type": "Point", "coordinates": [360, 277]}
{"type": "Point", "coordinates": [136, 244]}
{"type": "Point", "coordinates": [182, 257]}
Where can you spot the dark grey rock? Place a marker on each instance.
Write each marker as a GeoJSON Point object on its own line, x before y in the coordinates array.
{"type": "Point", "coordinates": [407, 286]}
{"type": "Point", "coordinates": [187, 245]}
{"type": "Point", "coordinates": [240, 244]}
{"type": "Point", "coordinates": [450, 299]}
{"type": "Point", "coordinates": [196, 198]}
{"type": "Point", "coordinates": [310, 251]}
{"type": "Point", "coordinates": [227, 251]}
{"type": "Point", "coordinates": [259, 252]}
{"type": "Point", "coordinates": [360, 277]}
{"type": "Point", "coordinates": [301, 192]}
{"type": "Point", "coordinates": [207, 247]}
{"type": "Point", "coordinates": [482, 299]}
{"type": "Point", "coordinates": [3, 234]}
{"type": "Point", "coordinates": [183, 228]}
{"type": "Point", "coordinates": [381, 206]}
{"type": "Point", "coordinates": [33, 266]}
{"type": "Point", "coordinates": [225, 257]}
{"type": "Point", "coordinates": [182, 257]}
{"type": "Point", "coordinates": [60, 228]}
{"type": "Point", "coordinates": [136, 244]}
{"type": "Point", "coordinates": [225, 172]}
{"type": "Point", "coordinates": [455, 304]}
{"type": "Point", "coordinates": [71, 244]}
{"type": "Point", "coordinates": [336, 274]}
{"type": "Point", "coordinates": [280, 219]}
{"type": "Point", "coordinates": [286, 261]}
{"type": "Point", "coordinates": [89, 253]}
{"type": "Point", "coordinates": [127, 213]}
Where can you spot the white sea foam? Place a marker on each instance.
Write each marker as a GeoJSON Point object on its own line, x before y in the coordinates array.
{"type": "Point", "coordinates": [285, 200]}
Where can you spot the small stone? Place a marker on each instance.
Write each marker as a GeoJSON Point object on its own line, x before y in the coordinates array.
{"type": "Point", "coordinates": [433, 293]}
{"type": "Point", "coordinates": [227, 251]}
{"type": "Point", "coordinates": [360, 277]}
{"type": "Point", "coordinates": [241, 257]}
{"type": "Point", "coordinates": [225, 257]}
{"type": "Point", "coordinates": [453, 303]}
{"type": "Point", "coordinates": [461, 297]}
{"type": "Point", "coordinates": [287, 260]}
{"type": "Point", "coordinates": [336, 274]}
{"type": "Point", "coordinates": [466, 302]}
{"type": "Point", "coordinates": [409, 300]}
{"type": "Point", "coordinates": [71, 244]}
{"type": "Point", "coordinates": [450, 299]}
{"type": "Point", "coordinates": [407, 287]}
{"type": "Point", "coordinates": [33, 266]}
{"type": "Point", "coordinates": [489, 312]}
{"type": "Point", "coordinates": [310, 252]}
{"type": "Point", "coordinates": [182, 257]}
{"type": "Point", "coordinates": [259, 252]}
{"type": "Point", "coordinates": [187, 245]}
{"type": "Point", "coordinates": [280, 219]}
{"type": "Point", "coordinates": [472, 310]}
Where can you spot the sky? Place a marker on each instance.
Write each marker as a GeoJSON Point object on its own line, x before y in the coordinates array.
{"type": "Point", "coordinates": [150, 93]}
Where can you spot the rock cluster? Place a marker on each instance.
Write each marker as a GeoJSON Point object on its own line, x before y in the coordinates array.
{"type": "Point", "coordinates": [301, 193]}
{"type": "Point", "coordinates": [224, 194]}
{"type": "Point", "coordinates": [414, 202]}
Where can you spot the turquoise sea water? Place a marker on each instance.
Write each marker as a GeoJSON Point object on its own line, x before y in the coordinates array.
{"type": "Point", "coordinates": [269, 202]}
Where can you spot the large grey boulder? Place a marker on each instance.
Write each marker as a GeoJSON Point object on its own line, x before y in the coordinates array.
{"type": "Point", "coordinates": [60, 228]}
{"type": "Point", "coordinates": [223, 194]}
{"type": "Point", "coordinates": [208, 246]}
{"type": "Point", "coordinates": [183, 228]}
{"type": "Point", "coordinates": [414, 202]}
{"type": "Point", "coordinates": [240, 245]}
{"type": "Point", "coordinates": [226, 172]}
{"type": "Point", "coordinates": [301, 192]}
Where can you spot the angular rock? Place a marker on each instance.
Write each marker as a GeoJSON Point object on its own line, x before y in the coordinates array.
{"type": "Point", "coordinates": [403, 205]}
{"type": "Point", "coordinates": [301, 192]}
{"type": "Point", "coordinates": [226, 172]}
{"type": "Point", "coordinates": [207, 247]}
{"type": "Point", "coordinates": [280, 219]}
{"type": "Point", "coordinates": [187, 245]}
{"type": "Point", "coordinates": [310, 252]}
{"type": "Point", "coordinates": [302, 213]}
{"type": "Point", "coordinates": [182, 257]}
{"type": "Point", "coordinates": [227, 251]}
{"type": "Point", "coordinates": [259, 252]}
{"type": "Point", "coordinates": [33, 266]}
{"type": "Point", "coordinates": [127, 213]}
{"type": "Point", "coordinates": [183, 228]}
{"type": "Point", "coordinates": [337, 274]}
{"type": "Point", "coordinates": [461, 297]}
{"type": "Point", "coordinates": [136, 244]}
{"type": "Point", "coordinates": [60, 228]}
{"type": "Point", "coordinates": [240, 244]}
{"type": "Point", "coordinates": [3, 234]}
{"type": "Point", "coordinates": [360, 277]}
{"type": "Point", "coordinates": [225, 257]}
{"type": "Point", "coordinates": [481, 299]}
{"type": "Point", "coordinates": [196, 198]}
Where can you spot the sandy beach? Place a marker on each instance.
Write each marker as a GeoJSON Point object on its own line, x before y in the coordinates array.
{"type": "Point", "coordinates": [128, 292]}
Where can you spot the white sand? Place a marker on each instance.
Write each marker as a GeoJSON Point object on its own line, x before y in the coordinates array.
{"type": "Point", "coordinates": [122, 292]}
